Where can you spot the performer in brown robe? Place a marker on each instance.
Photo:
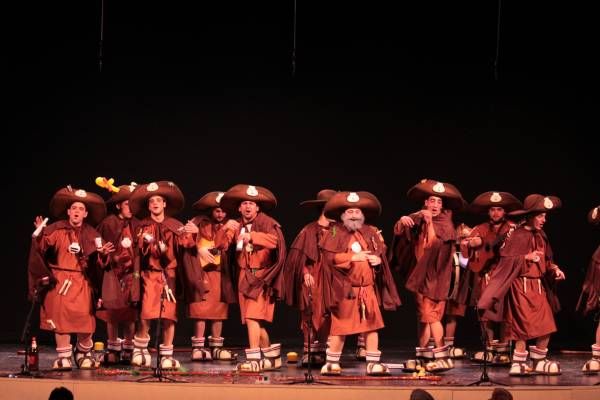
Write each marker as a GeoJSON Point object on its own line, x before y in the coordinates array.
{"type": "Point", "coordinates": [116, 305]}
{"type": "Point", "coordinates": [423, 250]}
{"type": "Point", "coordinates": [158, 240]}
{"type": "Point", "coordinates": [589, 301]}
{"type": "Point", "coordinates": [64, 266]}
{"type": "Point", "coordinates": [521, 288]}
{"type": "Point", "coordinates": [460, 291]}
{"type": "Point", "coordinates": [259, 248]}
{"type": "Point", "coordinates": [484, 245]}
{"type": "Point", "coordinates": [304, 287]}
{"type": "Point", "coordinates": [357, 278]}
{"type": "Point", "coordinates": [210, 262]}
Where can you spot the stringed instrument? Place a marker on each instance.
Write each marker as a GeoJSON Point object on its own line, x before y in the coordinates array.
{"type": "Point", "coordinates": [484, 255]}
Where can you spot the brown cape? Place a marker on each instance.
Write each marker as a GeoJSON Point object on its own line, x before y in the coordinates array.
{"type": "Point", "coordinates": [512, 263]}
{"type": "Point", "coordinates": [589, 300]}
{"type": "Point", "coordinates": [336, 285]}
{"type": "Point", "coordinates": [273, 279]}
{"type": "Point", "coordinates": [39, 264]}
{"type": "Point", "coordinates": [430, 276]}
{"type": "Point", "coordinates": [111, 229]}
{"type": "Point", "coordinates": [174, 226]}
{"type": "Point", "coordinates": [304, 248]}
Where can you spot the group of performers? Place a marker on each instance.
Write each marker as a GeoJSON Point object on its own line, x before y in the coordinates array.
{"type": "Point", "coordinates": [133, 265]}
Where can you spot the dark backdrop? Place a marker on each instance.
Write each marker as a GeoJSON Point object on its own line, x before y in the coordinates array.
{"type": "Point", "coordinates": [383, 95]}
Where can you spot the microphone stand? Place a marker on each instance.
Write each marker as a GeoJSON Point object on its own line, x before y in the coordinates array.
{"type": "Point", "coordinates": [484, 378]}
{"type": "Point", "coordinates": [25, 339]}
{"type": "Point", "coordinates": [157, 372]}
{"type": "Point", "coordinates": [308, 377]}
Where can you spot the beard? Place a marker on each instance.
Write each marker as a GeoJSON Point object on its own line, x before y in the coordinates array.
{"type": "Point", "coordinates": [353, 224]}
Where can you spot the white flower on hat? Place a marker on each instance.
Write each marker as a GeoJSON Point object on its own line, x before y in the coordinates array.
{"type": "Point", "coordinates": [353, 197]}
{"type": "Point", "coordinates": [219, 196]}
{"type": "Point", "coordinates": [548, 203]}
{"type": "Point", "coordinates": [80, 193]}
{"type": "Point", "coordinates": [439, 187]}
{"type": "Point", "coordinates": [356, 247]}
{"type": "Point", "coordinates": [132, 186]}
{"type": "Point", "coordinates": [152, 187]}
{"type": "Point", "coordinates": [495, 197]}
{"type": "Point", "coordinates": [251, 191]}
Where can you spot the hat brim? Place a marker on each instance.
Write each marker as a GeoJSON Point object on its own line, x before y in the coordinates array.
{"type": "Point", "coordinates": [138, 202]}
{"type": "Point", "coordinates": [94, 205]}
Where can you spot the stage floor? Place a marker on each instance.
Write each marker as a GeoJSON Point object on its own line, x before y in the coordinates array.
{"type": "Point", "coordinates": [219, 378]}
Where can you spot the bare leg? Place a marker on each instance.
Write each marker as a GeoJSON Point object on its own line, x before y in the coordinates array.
{"type": "Point", "coordinates": [112, 331]}
{"type": "Point", "coordinates": [128, 330]}
{"type": "Point", "coordinates": [264, 338]}
{"type": "Point", "coordinates": [598, 335]}
{"type": "Point", "coordinates": [424, 332]}
{"type": "Point", "coordinates": [216, 328]}
{"type": "Point", "coordinates": [372, 341]}
{"type": "Point", "coordinates": [144, 329]}
{"type": "Point", "coordinates": [254, 333]}
{"type": "Point", "coordinates": [168, 332]}
{"type": "Point", "coordinates": [488, 326]}
{"type": "Point", "coordinates": [336, 343]}
{"type": "Point", "coordinates": [62, 339]}
{"type": "Point", "coordinates": [450, 325]}
{"type": "Point", "coordinates": [520, 345]}
{"type": "Point", "coordinates": [200, 328]}
{"type": "Point", "coordinates": [437, 331]}
{"type": "Point", "coordinates": [542, 342]}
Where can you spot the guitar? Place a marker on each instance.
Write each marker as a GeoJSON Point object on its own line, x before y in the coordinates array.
{"type": "Point", "coordinates": [484, 255]}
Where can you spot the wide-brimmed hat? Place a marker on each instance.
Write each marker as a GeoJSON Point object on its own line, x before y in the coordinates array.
{"type": "Point", "coordinates": [484, 201]}
{"type": "Point", "coordinates": [322, 197]}
{"type": "Point", "coordinates": [123, 194]}
{"type": "Point", "coordinates": [537, 203]}
{"type": "Point", "coordinates": [138, 202]}
{"type": "Point", "coordinates": [208, 201]}
{"type": "Point", "coordinates": [232, 198]}
{"type": "Point", "coordinates": [447, 192]}
{"type": "Point", "coordinates": [341, 201]}
{"type": "Point", "coordinates": [594, 216]}
{"type": "Point", "coordinates": [62, 200]}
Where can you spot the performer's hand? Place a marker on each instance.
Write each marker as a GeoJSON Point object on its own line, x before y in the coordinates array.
{"type": "Point", "coordinates": [309, 281]}
{"type": "Point", "coordinates": [206, 255]}
{"type": "Point", "coordinates": [39, 220]}
{"type": "Point", "coordinates": [474, 242]}
{"type": "Point", "coordinates": [559, 275]}
{"type": "Point", "coordinates": [427, 216]}
{"type": "Point", "coordinates": [374, 260]}
{"type": "Point", "coordinates": [106, 248]}
{"type": "Point", "coordinates": [534, 256]}
{"type": "Point", "coordinates": [360, 256]}
{"type": "Point", "coordinates": [406, 221]}
{"type": "Point", "coordinates": [190, 227]}
{"type": "Point", "coordinates": [244, 237]}
{"type": "Point", "coordinates": [232, 224]}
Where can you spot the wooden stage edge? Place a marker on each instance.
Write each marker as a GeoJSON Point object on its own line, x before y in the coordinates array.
{"type": "Point", "coordinates": [39, 389]}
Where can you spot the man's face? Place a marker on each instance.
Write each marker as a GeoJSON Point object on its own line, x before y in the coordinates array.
{"type": "Point", "coordinates": [157, 205]}
{"type": "Point", "coordinates": [249, 210]}
{"type": "Point", "coordinates": [496, 214]}
{"type": "Point", "coordinates": [124, 209]}
{"type": "Point", "coordinates": [353, 219]}
{"type": "Point", "coordinates": [537, 221]}
{"type": "Point", "coordinates": [218, 214]}
{"type": "Point", "coordinates": [434, 204]}
{"type": "Point", "coordinates": [77, 212]}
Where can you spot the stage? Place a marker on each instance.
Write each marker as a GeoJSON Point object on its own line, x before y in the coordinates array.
{"type": "Point", "coordinates": [217, 380]}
